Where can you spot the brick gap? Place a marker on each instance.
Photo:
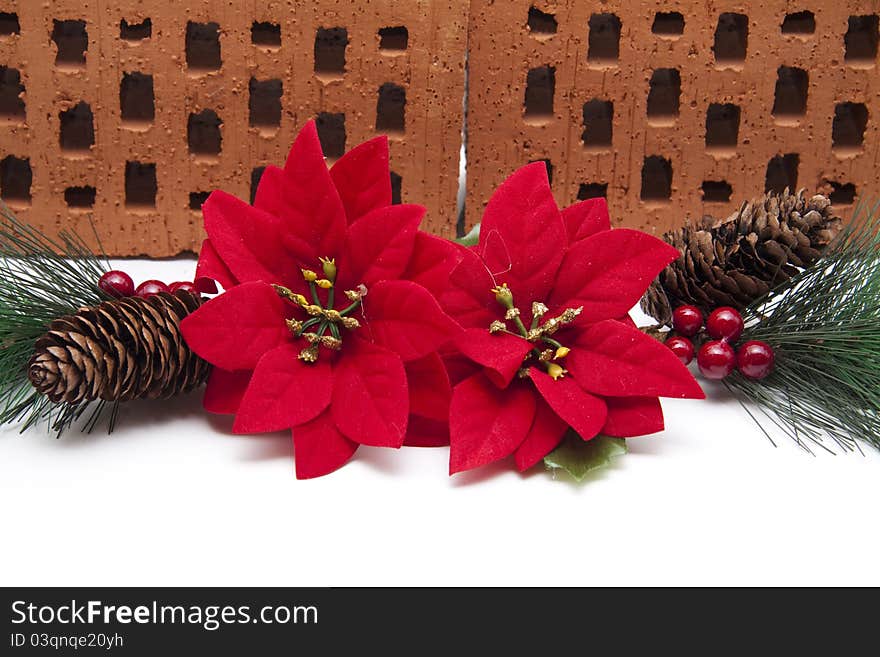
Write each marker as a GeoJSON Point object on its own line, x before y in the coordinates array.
{"type": "Point", "coordinates": [656, 179]}
{"type": "Point", "coordinates": [135, 31]}
{"type": "Point", "coordinates": [668, 23]}
{"type": "Point", "coordinates": [137, 103]}
{"type": "Point", "coordinates": [731, 37]}
{"type": "Point", "coordinates": [842, 193]}
{"type": "Point", "coordinates": [15, 180]}
{"type": "Point", "coordinates": [790, 97]}
{"type": "Point", "coordinates": [396, 188]}
{"type": "Point", "coordinates": [801, 22]}
{"type": "Point", "coordinates": [331, 134]}
{"type": "Point", "coordinates": [861, 39]}
{"type": "Point", "coordinates": [203, 133]}
{"type": "Point", "coordinates": [77, 128]}
{"type": "Point", "coordinates": [598, 117]}
{"type": "Point", "coordinates": [330, 46]}
{"type": "Point", "coordinates": [716, 191]}
{"type": "Point", "coordinates": [12, 107]}
{"type": "Point", "coordinates": [80, 196]}
{"type": "Point", "coordinates": [71, 40]}
{"type": "Point", "coordinates": [393, 39]}
{"type": "Point", "coordinates": [547, 165]}
{"type": "Point", "coordinates": [140, 185]}
{"type": "Point", "coordinates": [782, 172]}
{"type": "Point", "coordinates": [391, 110]}
{"type": "Point", "coordinates": [264, 104]}
{"type": "Point", "coordinates": [256, 176]}
{"type": "Point", "coordinates": [848, 128]}
{"type": "Point", "coordinates": [266, 34]}
{"type": "Point", "coordinates": [722, 126]}
{"type": "Point", "coordinates": [203, 47]}
{"type": "Point", "coordinates": [604, 41]}
{"type": "Point", "coordinates": [197, 200]}
{"type": "Point", "coordinates": [664, 94]}
{"type": "Point", "coordinates": [541, 24]}
{"type": "Point", "coordinates": [540, 90]}
{"type": "Point", "coordinates": [592, 190]}
{"type": "Point", "coordinates": [9, 24]}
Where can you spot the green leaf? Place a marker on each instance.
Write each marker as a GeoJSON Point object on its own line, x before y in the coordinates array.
{"type": "Point", "coordinates": [471, 239]}
{"type": "Point", "coordinates": [579, 457]}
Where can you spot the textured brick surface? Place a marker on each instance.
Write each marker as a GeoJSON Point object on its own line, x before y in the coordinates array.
{"type": "Point", "coordinates": [147, 170]}
{"type": "Point", "coordinates": [510, 124]}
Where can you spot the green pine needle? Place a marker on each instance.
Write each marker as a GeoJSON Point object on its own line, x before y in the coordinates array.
{"type": "Point", "coordinates": [824, 326]}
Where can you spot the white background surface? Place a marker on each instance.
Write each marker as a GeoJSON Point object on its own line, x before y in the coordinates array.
{"type": "Point", "coordinates": [173, 498]}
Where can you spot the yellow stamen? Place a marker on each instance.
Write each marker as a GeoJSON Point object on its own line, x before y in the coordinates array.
{"type": "Point", "coordinates": [324, 284]}
{"type": "Point", "coordinates": [556, 371]}
{"type": "Point", "coordinates": [309, 275]}
{"type": "Point", "coordinates": [562, 352]}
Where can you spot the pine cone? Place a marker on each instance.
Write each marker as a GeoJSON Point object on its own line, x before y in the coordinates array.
{"type": "Point", "coordinates": [738, 260]}
{"type": "Point", "coordinates": [124, 349]}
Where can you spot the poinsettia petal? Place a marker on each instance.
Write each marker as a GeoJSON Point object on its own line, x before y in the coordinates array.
{"type": "Point", "coordinates": [607, 273]}
{"type": "Point", "coordinates": [544, 436]}
{"type": "Point", "coordinates": [522, 237]}
{"type": "Point", "coordinates": [586, 218]}
{"type": "Point", "coordinates": [271, 191]}
{"type": "Point", "coordinates": [370, 396]}
{"type": "Point", "coordinates": [363, 179]}
{"type": "Point", "coordinates": [211, 267]}
{"type": "Point", "coordinates": [378, 247]}
{"type": "Point", "coordinates": [319, 447]}
{"type": "Point", "coordinates": [486, 423]}
{"type": "Point", "coordinates": [632, 416]}
{"type": "Point", "coordinates": [429, 389]}
{"type": "Point", "coordinates": [611, 359]}
{"type": "Point", "coordinates": [585, 413]}
{"type": "Point", "coordinates": [468, 296]}
{"type": "Point", "coordinates": [235, 329]}
{"type": "Point", "coordinates": [406, 319]}
{"type": "Point", "coordinates": [423, 432]}
{"type": "Point", "coordinates": [225, 390]}
{"type": "Point", "coordinates": [284, 392]}
{"type": "Point", "coordinates": [313, 209]}
{"type": "Point", "coordinates": [502, 354]}
{"type": "Point", "coordinates": [431, 263]}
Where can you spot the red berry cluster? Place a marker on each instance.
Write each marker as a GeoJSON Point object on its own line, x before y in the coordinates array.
{"type": "Point", "coordinates": [716, 358]}
{"type": "Point", "coordinates": [119, 284]}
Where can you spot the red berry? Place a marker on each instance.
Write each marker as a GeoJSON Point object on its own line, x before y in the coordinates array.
{"type": "Point", "coordinates": [681, 347]}
{"type": "Point", "coordinates": [755, 359]}
{"type": "Point", "coordinates": [186, 286]}
{"type": "Point", "coordinates": [687, 320]}
{"type": "Point", "coordinates": [149, 288]}
{"type": "Point", "coordinates": [725, 324]}
{"type": "Point", "coordinates": [116, 283]}
{"type": "Point", "coordinates": [716, 359]}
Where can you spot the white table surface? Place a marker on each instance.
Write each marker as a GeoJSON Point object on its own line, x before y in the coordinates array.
{"type": "Point", "coordinates": [173, 498]}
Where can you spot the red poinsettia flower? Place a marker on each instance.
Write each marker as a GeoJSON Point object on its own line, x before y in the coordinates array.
{"type": "Point", "coordinates": [326, 325]}
{"type": "Point", "coordinates": [544, 299]}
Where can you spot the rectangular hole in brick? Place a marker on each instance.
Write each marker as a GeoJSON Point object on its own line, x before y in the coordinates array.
{"type": "Point", "coordinates": [722, 125]}
{"type": "Point", "coordinates": [782, 172]}
{"type": "Point", "coordinates": [541, 23]}
{"type": "Point", "coordinates": [11, 89]}
{"type": "Point", "coordinates": [598, 123]}
{"type": "Point", "coordinates": [71, 41]}
{"type": "Point", "coordinates": [716, 191]}
{"type": "Point", "coordinates": [802, 22]}
{"type": "Point", "coordinates": [842, 193]}
{"type": "Point", "coordinates": [331, 133]}
{"type": "Point", "coordinates": [547, 165]}
{"type": "Point", "coordinates": [15, 179]}
{"type": "Point", "coordinates": [80, 197]}
{"type": "Point", "coordinates": [203, 133]}
{"type": "Point", "coordinates": [256, 175]}
{"type": "Point", "coordinates": [135, 31]}
{"type": "Point", "coordinates": [604, 41]}
{"type": "Point", "coordinates": [140, 185]}
{"type": "Point", "coordinates": [266, 34]}
{"type": "Point", "coordinates": [731, 38]}
{"type": "Point", "coordinates": [848, 129]}
{"type": "Point", "coordinates": [77, 128]}
{"type": "Point", "coordinates": [861, 39]}
{"type": "Point", "coordinates": [265, 103]}
{"type": "Point", "coordinates": [656, 179]}
{"type": "Point", "coordinates": [664, 93]}
{"type": "Point", "coordinates": [391, 109]}
{"type": "Point", "coordinates": [393, 38]}
{"type": "Point", "coordinates": [197, 200]}
{"type": "Point", "coordinates": [136, 100]}
{"type": "Point", "coordinates": [330, 45]}
{"type": "Point", "coordinates": [203, 46]}
{"type": "Point", "coordinates": [9, 24]}
{"type": "Point", "coordinates": [540, 90]}
{"type": "Point", "coordinates": [790, 99]}
{"type": "Point", "coordinates": [592, 190]}
{"type": "Point", "coordinates": [396, 188]}
{"type": "Point", "coordinates": [668, 23]}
